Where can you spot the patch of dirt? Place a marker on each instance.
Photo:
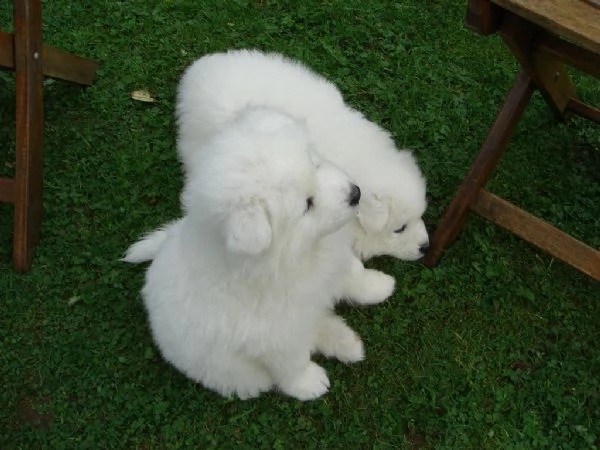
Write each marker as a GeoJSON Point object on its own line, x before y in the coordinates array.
{"type": "Point", "coordinates": [520, 365]}
{"type": "Point", "coordinates": [415, 439]}
{"type": "Point", "coordinates": [27, 415]}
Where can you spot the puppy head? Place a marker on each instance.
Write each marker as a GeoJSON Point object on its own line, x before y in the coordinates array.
{"type": "Point", "coordinates": [390, 214]}
{"type": "Point", "coordinates": [262, 186]}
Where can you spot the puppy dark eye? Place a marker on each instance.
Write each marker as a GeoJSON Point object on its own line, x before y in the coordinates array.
{"type": "Point", "coordinates": [401, 229]}
{"type": "Point", "coordinates": [309, 203]}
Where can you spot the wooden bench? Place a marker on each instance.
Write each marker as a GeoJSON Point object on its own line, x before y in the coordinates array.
{"type": "Point", "coordinates": [24, 52]}
{"type": "Point", "coordinates": [545, 36]}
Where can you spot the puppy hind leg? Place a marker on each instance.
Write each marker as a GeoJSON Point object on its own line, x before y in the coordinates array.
{"type": "Point", "coordinates": [232, 375]}
{"type": "Point", "coordinates": [337, 340]}
{"type": "Point", "coordinates": [368, 286]}
{"type": "Point", "coordinates": [296, 375]}
{"type": "Point", "coordinates": [256, 380]}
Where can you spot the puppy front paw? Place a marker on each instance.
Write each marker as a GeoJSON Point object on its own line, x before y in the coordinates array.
{"type": "Point", "coordinates": [375, 288]}
{"type": "Point", "coordinates": [310, 384]}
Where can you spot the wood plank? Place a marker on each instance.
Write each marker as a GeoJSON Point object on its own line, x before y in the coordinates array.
{"type": "Point", "coordinates": [569, 53]}
{"type": "Point", "coordinates": [7, 57]}
{"type": "Point", "coordinates": [56, 64]}
{"type": "Point", "coordinates": [482, 168]}
{"type": "Point", "coordinates": [7, 190]}
{"type": "Point", "coordinates": [69, 67]}
{"type": "Point", "coordinates": [29, 149]}
{"type": "Point", "coordinates": [539, 233]}
{"type": "Point", "coordinates": [576, 20]}
{"type": "Point", "coordinates": [583, 110]}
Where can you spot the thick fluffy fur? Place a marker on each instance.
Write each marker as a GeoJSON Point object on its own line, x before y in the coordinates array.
{"type": "Point", "coordinates": [216, 87]}
{"type": "Point", "coordinates": [240, 291]}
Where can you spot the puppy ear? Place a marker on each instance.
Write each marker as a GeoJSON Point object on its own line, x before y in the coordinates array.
{"type": "Point", "coordinates": [373, 212]}
{"type": "Point", "coordinates": [248, 230]}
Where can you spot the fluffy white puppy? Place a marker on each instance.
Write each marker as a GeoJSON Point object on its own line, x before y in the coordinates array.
{"type": "Point", "coordinates": [240, 291]}
{"type": "Point", "coordinates": [216, 87]}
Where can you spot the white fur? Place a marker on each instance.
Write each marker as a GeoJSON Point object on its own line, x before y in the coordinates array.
{"type": "Point", "coordinates": [241, 290]}
{"type": "Point", "coordinates": [217, 86]}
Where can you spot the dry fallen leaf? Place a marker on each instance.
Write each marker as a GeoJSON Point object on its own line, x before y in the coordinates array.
{"type": "Point", "coordinates": [143, 96]}
{"type": "Point", "coordinates": [73, 300]}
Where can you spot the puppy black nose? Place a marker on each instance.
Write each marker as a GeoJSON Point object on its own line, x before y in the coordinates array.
{"type": "Point", "coordinates": [423, 248]}
{"type": "Point", "coordinates": [354, 195]}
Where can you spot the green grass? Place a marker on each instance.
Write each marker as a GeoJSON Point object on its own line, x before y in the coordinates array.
{"type": "Point", "coordinates": [496, 348]}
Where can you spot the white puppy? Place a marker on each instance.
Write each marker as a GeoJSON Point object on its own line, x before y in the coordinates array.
{"type": "Point", "coordinates": [217, 86]}
{"type": "Point", "coordinates": [241, 290]}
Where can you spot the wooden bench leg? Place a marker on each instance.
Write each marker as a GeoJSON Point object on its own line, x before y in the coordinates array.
{"type": "Point", "coordinates": [482, 168]}
{"type": "Point", "coordinates": [28, 179]}
{"type": "Point", "coordinates": [57, 63]}
{"type": "Point", "coordinates": [548, 73]}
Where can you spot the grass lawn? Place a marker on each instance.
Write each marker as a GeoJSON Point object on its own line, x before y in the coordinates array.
{"type": "Point", "coordinates": [496, 348]}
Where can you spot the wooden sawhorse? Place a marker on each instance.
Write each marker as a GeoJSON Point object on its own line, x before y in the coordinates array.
{"type": "Point", "coordinates": [24, 52]}
{"type": "Point", "coordinates": [533, 30]}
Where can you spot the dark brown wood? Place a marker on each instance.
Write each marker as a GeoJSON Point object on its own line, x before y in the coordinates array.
{"type": "Point", "coordinates": [556, 85]}
{"type": "Point", "coordinates": [576, 20]}
{"type": "Point", "coordinates": [56, 64]}
{"type": "Point", "coordinates": [24, 52]}
{"type": "Point", "coordinates": [7, 190]}
{"type": "Point", "coordinates": [69, 67]}
{"type": "Point", "coordinates": [7, 57]}
{"type": "Point", "coordinates": [584, 110]}
{"type": "Point", "coordinates": [569, 53]}
{"type": "Point", "coordinates": [533, 40]}
{"type": "Point", "coordinates": [482, 167]}
{"type": "Point", "coordinates": [539, 233]}
{"type": "Point", "coordinates": [594, 3]}
{"type": "Point", "coordinates": [483, 16]}
{"type": "Point", "coordinates": [28, 185]}
{"type": "Point", "coordinates": [549, 75]}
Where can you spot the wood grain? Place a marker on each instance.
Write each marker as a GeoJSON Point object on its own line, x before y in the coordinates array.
{"type": "Point", "coordinates": [574, 19]}
{"type": "Point", "coordinates": [24, 52]}
{"type": "Point", "coordinates": [549, 74]}
{"type": "Point", "coordinates": [56, 63]}
{"type": "Point", "coordinates": [29, 160]}
{"type": "Point", "coordinates": [584, 110]}
{"type": "Point", "coordinates": [482, 168]}
{"type": "Point", "coordinates": [535, 32]}
{"type": "Point", "coordinates": [539, 233]}
{"type": "Point", "coordinates": [569, 53]}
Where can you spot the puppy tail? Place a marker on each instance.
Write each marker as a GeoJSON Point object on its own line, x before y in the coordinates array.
{"type": "Point", "coordinates": [148, 246]}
